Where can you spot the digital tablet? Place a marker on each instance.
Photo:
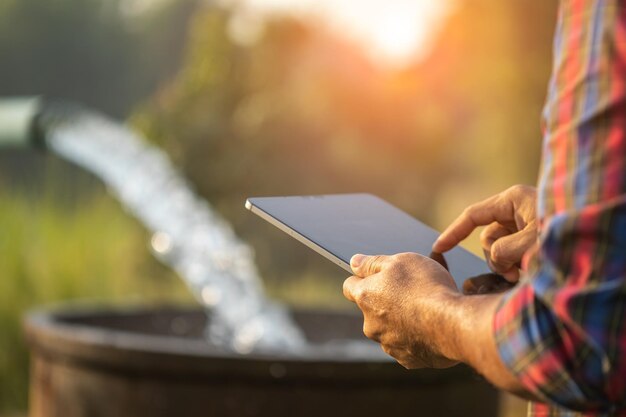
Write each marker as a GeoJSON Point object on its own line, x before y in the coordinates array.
{"type": "Point", "coordinates": [341, 225]}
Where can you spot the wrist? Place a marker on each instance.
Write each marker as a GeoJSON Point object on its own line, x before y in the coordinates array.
{"type": "Point", "coordinates": [472, 320]}
{"type": "Point", "coordinates": [460, 326]}
{"type": "Point", "coordinates": [475, 343]}
{"type": "Point", "coordinates": [435, 321]}
{"type": "Point", "coordinates": [445, 327]}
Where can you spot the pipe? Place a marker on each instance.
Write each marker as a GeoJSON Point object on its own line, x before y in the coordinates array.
{"type": "Point", "coordinates": [18, 117]}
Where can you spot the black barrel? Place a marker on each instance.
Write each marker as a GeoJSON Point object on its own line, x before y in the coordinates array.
{"type": "Point", "coordinates": [139, 362]}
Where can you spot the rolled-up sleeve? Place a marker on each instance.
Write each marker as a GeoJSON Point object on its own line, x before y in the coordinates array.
{"type": "Point", "coordinates": [562, 330]}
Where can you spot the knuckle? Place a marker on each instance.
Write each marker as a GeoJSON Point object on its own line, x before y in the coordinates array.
{"type": "Point", "coordinates": [497, 268]}
{"type": "Point", "coordinates": [468, 211]}
{"type": "Point", "coordinates": [396, 261]}
{"type": "Point", "coordinates": [515, 189]}
{"type": "Point", "coordinates": [346, 289]}
{"type": "Point", "coordinates": [379, 260]}
{"type": "Point", "coordinates": [500, 263]}
{"type": "Point", "coordinates": [359, 295]}
{"type": "Point", "coordinates": [370, 332]}
{"type": "Point", "coordinates": [366, 330]}
{"type": "Point", "coordinates": [374, 262]}
{"type": "Point", "coordinates": [485, 238]}
{"type": "Point", "coordinates": [520, 190]}
{"type": "Point", "coordinates": [395, 268]}
{"type": "Point", "coordinates": [403, 258]}
{"type": "Point", "coordinates": [498, 254]}
{"type": "Point", "coordinates": [353, 292]}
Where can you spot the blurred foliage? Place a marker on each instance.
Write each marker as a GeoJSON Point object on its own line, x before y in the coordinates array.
{"type": "Point", "coordinates": [89, 50]}
{"type": "Point", "coordinates": [300, 111]}
{"type": "Point", "coordinates": [304, 112]}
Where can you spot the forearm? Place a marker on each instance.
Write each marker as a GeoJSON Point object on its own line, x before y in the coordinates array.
{"type": "Point", "coordinates": [462, 329]}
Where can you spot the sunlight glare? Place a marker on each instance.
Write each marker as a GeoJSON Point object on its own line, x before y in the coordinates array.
{"type": "Point", "coordinates": [393, 31]}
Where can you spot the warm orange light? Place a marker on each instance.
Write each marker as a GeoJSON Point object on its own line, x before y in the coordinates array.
{"type": "Point", "coordinates": [393, 31]}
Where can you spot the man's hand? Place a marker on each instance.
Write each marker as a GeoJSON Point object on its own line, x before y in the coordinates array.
{"type": "Point", "coordinates": [511, 229]}
{"type": "Point", "coordinates": [398, 296]}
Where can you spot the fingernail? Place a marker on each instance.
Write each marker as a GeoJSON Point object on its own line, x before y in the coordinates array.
{"type": "Point", "coordinates": [357, 260]}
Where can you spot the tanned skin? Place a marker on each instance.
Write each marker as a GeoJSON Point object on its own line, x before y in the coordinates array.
{"type": "Point", "coordinates": [412, 307]}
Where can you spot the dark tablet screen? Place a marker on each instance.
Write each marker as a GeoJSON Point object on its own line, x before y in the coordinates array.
{"type": "Point", "coordinates": [339, 226]}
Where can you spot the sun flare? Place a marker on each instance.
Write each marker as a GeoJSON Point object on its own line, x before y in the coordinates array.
{"type": "Point", "coordinates": [391, 31]}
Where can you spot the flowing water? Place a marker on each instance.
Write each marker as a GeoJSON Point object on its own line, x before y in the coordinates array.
{"type": "Point", "coordinates": [187, 234]}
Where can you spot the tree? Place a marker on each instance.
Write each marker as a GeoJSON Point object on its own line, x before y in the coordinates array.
{"type": "Point", "coordinates": [304, 112]}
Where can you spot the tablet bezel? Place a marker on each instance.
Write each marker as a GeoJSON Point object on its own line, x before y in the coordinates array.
{"type": "Point", "coordinates": [299, 237]}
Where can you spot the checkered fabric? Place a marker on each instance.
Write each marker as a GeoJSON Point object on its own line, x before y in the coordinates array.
{"type": "Point", "coordinates": [562, 330]}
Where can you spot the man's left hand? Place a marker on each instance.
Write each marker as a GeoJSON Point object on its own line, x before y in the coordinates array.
{"type": "Point", "coordinates": [397, 295]}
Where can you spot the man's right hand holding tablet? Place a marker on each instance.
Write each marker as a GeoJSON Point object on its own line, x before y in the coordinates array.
{"type": "Point", "coordinates": [510, 233]}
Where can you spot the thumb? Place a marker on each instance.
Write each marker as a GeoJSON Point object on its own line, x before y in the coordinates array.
{"type": "Point", "coordinates": [364, 266]}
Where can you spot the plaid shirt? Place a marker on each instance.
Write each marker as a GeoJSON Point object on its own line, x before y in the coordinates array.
{"type": "Point", "coordinates": [562, 330]}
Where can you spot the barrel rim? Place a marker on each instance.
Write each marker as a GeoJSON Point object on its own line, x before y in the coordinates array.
{"type": "Point", "coordinates": [51, 336]}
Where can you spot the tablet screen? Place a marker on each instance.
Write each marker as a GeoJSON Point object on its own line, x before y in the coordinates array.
{"type": "Point", "coordinates": [342, 225]}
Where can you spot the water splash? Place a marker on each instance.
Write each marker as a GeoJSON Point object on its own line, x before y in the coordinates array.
{"type": "Point", "coordinates": [187, 234]}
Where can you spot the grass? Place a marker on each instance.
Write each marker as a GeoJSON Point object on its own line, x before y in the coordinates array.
{"type": "Point", "coordinates": [54, 251]}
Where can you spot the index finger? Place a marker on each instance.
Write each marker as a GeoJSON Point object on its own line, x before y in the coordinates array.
{"type": "Point", "coordinates": [493, 209]}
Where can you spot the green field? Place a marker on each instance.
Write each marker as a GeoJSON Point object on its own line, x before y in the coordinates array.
{"type": "Point", "coordinates": [52, 251]}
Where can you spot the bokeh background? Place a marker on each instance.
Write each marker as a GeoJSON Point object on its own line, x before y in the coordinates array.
{"type": "Point", "coordinates": [431, 105]}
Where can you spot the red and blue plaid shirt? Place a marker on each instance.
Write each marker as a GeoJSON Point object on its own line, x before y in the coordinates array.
{"type": "Point", "coordinates": [562, 330]}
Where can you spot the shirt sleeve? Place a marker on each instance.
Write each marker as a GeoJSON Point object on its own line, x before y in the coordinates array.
{"type": "Point", "coordinates": [562, 331]}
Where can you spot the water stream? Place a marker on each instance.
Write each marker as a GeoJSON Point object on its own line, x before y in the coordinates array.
{"type": "Point", "coordinates": [187, 234]}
